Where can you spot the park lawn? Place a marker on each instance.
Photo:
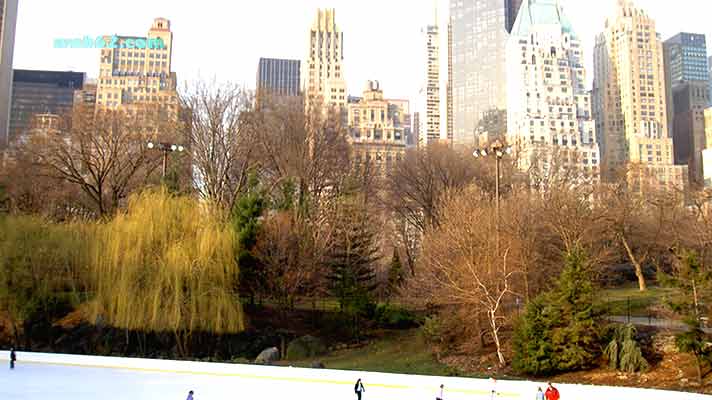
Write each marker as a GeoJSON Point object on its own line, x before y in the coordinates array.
{"type": "Point", "coordinates": [402, 352]}
{"type": "Point", "coordinates": [641, 304]}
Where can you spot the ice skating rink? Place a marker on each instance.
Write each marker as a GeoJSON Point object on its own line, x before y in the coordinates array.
{"type": "Point", "coordinates": [60, 377]}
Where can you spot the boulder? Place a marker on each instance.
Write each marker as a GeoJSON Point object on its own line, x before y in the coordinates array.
{"type": "Point", "coordinates": [305, 347]}
{"type": "Point", "coordinates": [268, 356]}
{"type": "Point", "coordinates": [318, 365]}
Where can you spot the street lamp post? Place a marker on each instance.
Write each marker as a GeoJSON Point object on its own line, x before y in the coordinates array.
{"type": "Point", "coordinates": [166, 148]}
{"type": "Point", "coordinates": [498, 151]}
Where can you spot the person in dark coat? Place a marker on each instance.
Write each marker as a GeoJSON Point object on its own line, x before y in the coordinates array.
{"type": "Point", "coordinates": [359, 389]}
{"type": "Point", "coordinates": [13, 358]}
{"type": "Point", "coordinates": [190, 395]}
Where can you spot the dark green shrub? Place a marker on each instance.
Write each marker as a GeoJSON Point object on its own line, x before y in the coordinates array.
{"type": "Point", "coordinates": [624, 352]}
{"type": "Point", "coordinates": [387, 316]}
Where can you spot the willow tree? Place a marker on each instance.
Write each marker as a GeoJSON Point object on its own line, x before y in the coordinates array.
{"type": "Point", "coordinates": [167, 265]}
{"type": "Point", "coordinates": [41, 264]}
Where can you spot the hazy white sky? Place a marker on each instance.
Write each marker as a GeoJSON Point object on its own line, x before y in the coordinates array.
{"type": "Point", "coordinates": [224, 39]}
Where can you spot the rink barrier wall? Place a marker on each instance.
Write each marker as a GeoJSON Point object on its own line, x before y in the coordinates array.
{"type": "Point", "coordinates": [467, 386]}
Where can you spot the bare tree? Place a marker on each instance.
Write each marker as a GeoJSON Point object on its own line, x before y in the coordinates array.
{"type": "Point", "coordinates": [463, 266]}
{"type": "Point", "coordinates": [102, 153]}
{"type": "Point", "coordinates": [305, 153]}
{"type": "Point", "coordinates": [219, 125]}
{"type": "Point", "coordinates": [291, 251]}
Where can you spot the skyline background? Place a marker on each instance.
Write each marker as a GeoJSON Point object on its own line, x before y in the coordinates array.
{"type": "Point", "coordinates": [224, 41]}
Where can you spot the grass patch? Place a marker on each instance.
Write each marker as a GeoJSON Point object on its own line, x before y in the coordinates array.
{"type": "Point", "coordinates": [399, 352]}
{"type": "Point", "coordinates": [641, 304]}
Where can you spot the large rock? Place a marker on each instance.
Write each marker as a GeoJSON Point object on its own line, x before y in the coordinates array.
{"type": "Point", "coordinates": [318, 365]}
{"type": "Point", "coordinates": [268, 356]}
{"type": "Point", "coordinates": [305, 347]}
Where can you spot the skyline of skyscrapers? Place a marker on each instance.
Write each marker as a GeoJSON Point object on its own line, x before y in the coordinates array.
{"type": "Point", "coordinates": [8, 21]}
{"type": "Point", "coordinates": [648, 99]}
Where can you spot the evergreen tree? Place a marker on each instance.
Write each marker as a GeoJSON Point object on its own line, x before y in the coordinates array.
{"type": "Point", "coordinates": [558, 332]}
{"type": "Point", "coordinates": [575, 341]}
{"type": "Point", "coordinates": [352, 257]}
{"type": "Point", "coordinates": [246, 223]}
{"type": "Point", "coordinates": [395, 274]}
{"type": "Point", "coordinates": [694, 280]}
{"type": "Point", "coordinates": [533, 347]}
{"type": "Point", "coordinates": [623, 352]}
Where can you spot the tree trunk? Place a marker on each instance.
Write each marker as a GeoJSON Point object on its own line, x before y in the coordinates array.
{"type": "Point", "coordinates": [638, 268]}
{"type": "Point", "coordinates": [495, 336]}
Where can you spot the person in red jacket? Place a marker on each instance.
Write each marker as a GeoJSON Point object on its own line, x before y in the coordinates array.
{"type": "Point", "coordinates": [552, 393]}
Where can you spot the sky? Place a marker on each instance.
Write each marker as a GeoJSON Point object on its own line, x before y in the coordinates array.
{"type": "Point", "coordinates": [223, 40]}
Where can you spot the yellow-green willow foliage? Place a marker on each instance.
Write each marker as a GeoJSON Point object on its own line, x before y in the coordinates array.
{"type": "Point", "coordinates": [166, 265]}
{"type": "Point", "coordinates": [41, 262]}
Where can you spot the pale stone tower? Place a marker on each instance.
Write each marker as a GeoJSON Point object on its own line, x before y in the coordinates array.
{"type": "Point", "coordinates": [323, 70]}
{"type": "Point", "coordinates": [629, 99]}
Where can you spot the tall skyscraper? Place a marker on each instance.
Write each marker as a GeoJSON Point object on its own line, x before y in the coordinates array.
{"type": "Point", "coordinates": [687, 94]}
{"type": "Point", "coordinates": [41, 92]}
{"type": "Point", "coordinates": [448, 91]}
{"type": "Point", "coordinates": [276, 77]}
{"type": "Point", "coordinates": [629, 100]}
{"type": "Point", "coordinates": [548, 107]}
{"type": "Point", "coordinates": [479, 37]}
{"type": "Point", "coordinates": [378, 127]}
{"type": "Point", "coordinates": [323, 70]}
{"type": "Point", "coordinates": [430, 93]}
{"type": "Point", "coordinates": [8, 20]}
{"type": "Point", "coordinates": [707, 152]}
{"type": "Point", "coordinates": [132, 78]}
{"type": "Point", "coordinates": [709, 69]}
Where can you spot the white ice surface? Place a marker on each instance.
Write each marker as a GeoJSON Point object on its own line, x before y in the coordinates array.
{"type": "Point", "coordinates": [62, 377]}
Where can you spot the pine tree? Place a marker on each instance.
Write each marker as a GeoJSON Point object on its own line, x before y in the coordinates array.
{"type": "Point", "coordinates": [694, 280]}
{"type": "Point", "coordinates": [352, 257]}
{"type": "Point", "coordinates": [576, 340]}
{"type": "Point", "coordinates": [395, 274]}
{"type": "Point", "coordinates": [533, 348]}
{"type": "Point", "coordinates": [558, 332]}
{"type": "Point", "coordinates": [246, 223]}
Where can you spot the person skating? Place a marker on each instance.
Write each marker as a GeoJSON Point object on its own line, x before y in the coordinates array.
{"type": "Point", "coordinates": [190, 395]}
{"type": "Point", "coordinates": [540, 394]}
{"type": "Point", "coordinates": [493, 382]}
{"type": "Point", "coordinates": [359, 389]}
{"type": "Point", "coordinates": [552, 393]}
{"type": "Point", "coordinates": [441, 395]}
{"type": "Point", "coordinates": [13, 358]}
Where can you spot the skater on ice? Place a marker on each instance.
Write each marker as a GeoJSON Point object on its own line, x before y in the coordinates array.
{"type": "Point", "coordinates": [190, 395]}
{"type": "Point", "coordinates": [552, 393]}
{"type": "Point", "coordinates": [13, 358]}
{"type": "Point", "coordinates": [540, 394]}
{"type": "Point", "coordinates": [359, 389]}
{"type": "Point", "coordinates": [441, 393]}
{"type": "Point", "coordinates": [493, 382]}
